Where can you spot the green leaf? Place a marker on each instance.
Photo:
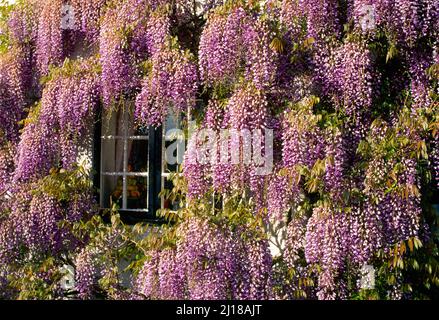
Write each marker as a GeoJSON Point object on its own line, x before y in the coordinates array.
{"type": "Point", "coordinates": [391, 53]}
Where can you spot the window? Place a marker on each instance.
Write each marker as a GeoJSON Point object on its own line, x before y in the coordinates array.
{"type": "Point", "coordinates": [131, 166]}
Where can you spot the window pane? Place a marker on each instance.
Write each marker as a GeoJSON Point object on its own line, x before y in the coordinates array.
{"type": "Point", "coordinates": [137, 192]}
{"type": "Point", "coordinates": [138, 157]}
{"type": "Point", "coordinates": [111, 190]}
{"type": "Point", "coordinates": [168, 203]}
{"type": "Point", "coordinates": [112, 155]}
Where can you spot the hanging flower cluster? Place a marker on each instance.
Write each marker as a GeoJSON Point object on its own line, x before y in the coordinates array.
{"type": "Point", "coordinates": [233, 41]}
{"type": "Point", "coordinates": [50, 46]}
{"type": "Point", "coordinates": [39, 221]}
{"type": "Point", "coordinates": [130, 32]}
{"type": "Point", "coordinates": [347, 76]}
{"type": "Point", "coordinates": [209, 262]}
{"type": "Point", "coordinates": [405, 20]}
{"type": "Point", "coordinates": [67, 108]}
{"type": "Point", "coordinates": [12, 99]}
{"type": "Point", "coordinates": [87, 272]}
{"type": "Point", "coordinates": [171, 85]}
{"type": "Point", "coordinates": [87, 14]}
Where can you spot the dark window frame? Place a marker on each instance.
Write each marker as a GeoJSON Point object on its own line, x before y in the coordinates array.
{"type": "Point", "coordinates": [155, 141]}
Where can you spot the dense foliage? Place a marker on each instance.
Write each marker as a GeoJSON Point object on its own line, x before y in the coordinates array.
{"type": "Point", "coordinates": [348, 87]}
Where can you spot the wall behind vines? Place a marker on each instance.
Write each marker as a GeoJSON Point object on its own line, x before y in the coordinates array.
{"type": "Point", "coordinates": [349, 88]}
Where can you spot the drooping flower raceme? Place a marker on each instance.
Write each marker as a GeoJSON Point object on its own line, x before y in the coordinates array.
{"type": "Point", "coordinates": [171, 85]}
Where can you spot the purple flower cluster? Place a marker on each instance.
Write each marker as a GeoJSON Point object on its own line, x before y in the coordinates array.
{"type": "Point", "coordinates": [302, 142]}
{"type": "Point", "coordinates": [261, 59]}
{"type": "Point", "coordinates": [40, 225]}
{"type": "Point", "coordinates": [172, 82]}
{"type": "Point", "coordinates": [295, 240]}
{"type": "Point", "coordinates": [248, 108]}
{"type": "Point", "coordinates": [221, 46]}
{"type": "Point", "coordinates": [7, 165]}
{"type": "Point", "coordinates": [327, 244]}
{"type": "Point", "coordinates": [406, 20]}
{"type": "Point", "coordinates": [87, 16]}
{"type": "Point", "coordinates": [435, 160]}
{"type": "Point", "coordinates": [131, 31]}
{"type": "Point", "coordinates": [336, 164]}
{"type": "Point", "coordinates": [50, 38]}
{"type": "Point", "coordinates": [282, 192]}
{"type": "Point", "coordinates": [236, 41]}
{"type": "Point", "coordinates": [22, 23]}
{"type": "Point", "coordinates": [86, 273]}
{"type": "Point", "coordinates": [347, 76]}
{"type": "Point", "coordinates": [323, 18]}
{"type": "Point", "coordinates": [118, 74]}
{"type": "Point", "coordinates": [209, 262]}
{"type": "Point", "coordinates": [419, 62]}
{"type": "Point", "coordinates": [291, 15]}
{"type": "Point", "coordinates": [12, 100]}
{"type": "Point", "coordinates": [67, 107]}
{"type": "Point", "coordinates": [36, 153]}
{"type": "Point", "coordinates": [194, 170]}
